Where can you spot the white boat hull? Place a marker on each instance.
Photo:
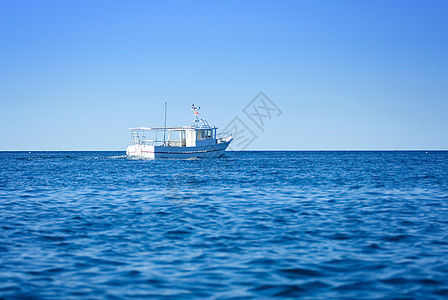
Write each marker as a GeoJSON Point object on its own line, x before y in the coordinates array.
{"type": "Point", "coordinates": [152, 152]}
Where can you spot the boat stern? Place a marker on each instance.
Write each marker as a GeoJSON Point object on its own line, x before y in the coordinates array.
{"type": "Point", "coordinates": [140, 151]}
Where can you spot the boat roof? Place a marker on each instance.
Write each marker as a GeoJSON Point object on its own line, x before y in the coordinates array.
{"type": "Point", "coordinates": [170, 128]}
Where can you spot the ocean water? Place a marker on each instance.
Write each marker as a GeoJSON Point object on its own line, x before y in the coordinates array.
{"type": "Point", "coordinates": [312, 225]}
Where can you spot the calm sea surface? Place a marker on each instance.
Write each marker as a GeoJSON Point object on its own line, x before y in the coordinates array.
{"type": "Point", "coordinates": [87, 225]}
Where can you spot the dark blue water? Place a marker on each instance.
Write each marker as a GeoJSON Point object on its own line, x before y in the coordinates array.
{"type": "Point", "coordinates": [250, 225]}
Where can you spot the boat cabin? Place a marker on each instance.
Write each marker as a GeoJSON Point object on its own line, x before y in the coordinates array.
{"type": "Point", "coordinates": [187, 136]}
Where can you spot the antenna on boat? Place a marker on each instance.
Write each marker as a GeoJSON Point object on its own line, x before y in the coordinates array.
{"type": "Point", "coordinates": [196, 114]}
{"type": "Point", "coordinates": [164, 127]}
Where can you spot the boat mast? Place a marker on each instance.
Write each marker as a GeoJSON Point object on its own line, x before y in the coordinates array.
{"type": "Point", "coordinates": [196, 114]}
{"type": "Point", "coordinates": [164, 129]}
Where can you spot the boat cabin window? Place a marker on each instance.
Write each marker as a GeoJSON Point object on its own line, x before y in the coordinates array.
{"type": "Point", "coordinates": [208, 133]}
{"type": "Point", "coordinates": [204, 134]}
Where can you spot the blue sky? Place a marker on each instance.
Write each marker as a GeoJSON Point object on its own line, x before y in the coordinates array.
{"type": "Point", "coordinates": [75, 75]}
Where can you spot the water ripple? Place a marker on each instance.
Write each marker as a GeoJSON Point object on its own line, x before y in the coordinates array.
{"type": "Point", "coordinates": [250, 225]}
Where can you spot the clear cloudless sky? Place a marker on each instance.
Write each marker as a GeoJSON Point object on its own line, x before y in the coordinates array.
{"type": "Point", "coordinates": [75, 75]}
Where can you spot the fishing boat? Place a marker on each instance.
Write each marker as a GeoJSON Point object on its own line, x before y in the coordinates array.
{"type": "Point", "coordinates": [200, 140]}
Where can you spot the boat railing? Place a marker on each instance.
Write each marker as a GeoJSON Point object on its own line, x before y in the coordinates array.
{"type": "Point", "coordinates": [148, 142]}
{"type": "Point", "coordinates": [223, 137]}
{"type": "Point", "coordinates": [153, 143]}
{"type": "Point", "coordinates": [138, 137]}
{"type": "Point", "coordinates": [136, 140]}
